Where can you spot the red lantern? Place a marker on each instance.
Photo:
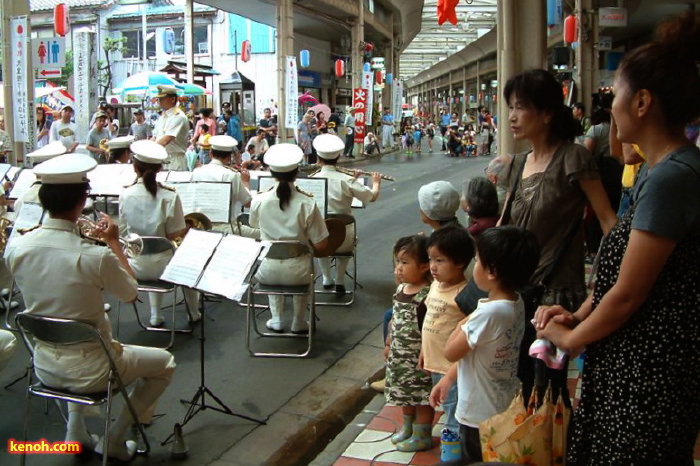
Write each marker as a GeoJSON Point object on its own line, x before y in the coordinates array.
{"type": "Point", "coordinates": [61, 19]}
{"type": "Point", "coordinates": [570, 29]}
{"type": "Point", "coordinates": [245, 50]}
{"type": "Point", "coordinates": [378, 78]}
{"type": "Point", "coordinates": [339, 68]}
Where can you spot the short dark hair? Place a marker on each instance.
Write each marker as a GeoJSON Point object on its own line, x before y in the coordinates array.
{"type": "Point", "coordinates": [455, 243]}
{"type": "Point", "coordinates": [204, 127]}
{"type": "Point", "coordinates": [580, 106]}
{"type": "Point", "coordinates": [219, 154]}
{"type": "Point", "coordinates": [482, 197]}
{"type": "Point", "coordinates": [250, 146]}
{"type": "Point", "coordinates": [511, 252]}
{"type": "Point", "coordinates": [62, 198]}
{"type": "Point", "coordinates": [260, 131]}
{"type": "Point", "coordinates": [206, 112]}
{"type": "Point", "coordinates": [415, 246]}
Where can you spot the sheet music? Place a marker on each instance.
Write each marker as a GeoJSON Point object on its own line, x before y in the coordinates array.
{"type": "Point", "coordinates": [191, 257]}
{"type": "Point", "coordinates": [179, 177]}
{"type": "Point", "coordinates": [162, 176]}
{"type": "Point", "coordinates": [24, 181]}
{"type": "Point", "coordinates": [227, 272]}
{"type": "Point", "coordinates": [12, 172]}
{"type": "Point", "coordinates": [316, 186]}
{"type": "Point", "coordinates": [29, 217]}
{"type": "Point", "coordinates": [110, 179]}
{"type": "Point", "coordinates": [211, 199]}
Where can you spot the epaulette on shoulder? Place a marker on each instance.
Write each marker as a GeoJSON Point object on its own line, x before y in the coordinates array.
{"type": "Point", "coordinates": [301, 191]}
{"type": "Point", "coordinates": [24, 231]}
{"type": "Point", "coordinates": [169, 188]}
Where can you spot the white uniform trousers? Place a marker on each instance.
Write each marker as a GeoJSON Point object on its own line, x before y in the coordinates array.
{"type": "Point", "coordinates": [151, 267]}
{"type": "Point", "coordinates": [178, 163]}
{"type": "Point", "coordinates": [341, 263]}
{"type": "Point", "coordinates": [291, 272]}
{"type": "Point", "coordinates": [8, 346]}
{"type": "Point", "coordinates": [84, 369]}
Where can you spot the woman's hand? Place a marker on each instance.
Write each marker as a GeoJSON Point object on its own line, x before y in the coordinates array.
{"type": "Point", "coordinates": [556, 313]}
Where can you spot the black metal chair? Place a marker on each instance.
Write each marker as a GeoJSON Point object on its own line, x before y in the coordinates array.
{"type": "Point", "coordinates": [155, 245]}
{"type": "Point", "coordinates": [65, 332]}
{"type": "Point", "coordinates": [282, 250]}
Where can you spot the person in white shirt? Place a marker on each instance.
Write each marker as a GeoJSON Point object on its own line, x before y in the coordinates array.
{"type": "Point", "coordinates": [172, 128]}
{"type": "Point", "coordinates": [64, 130]}
{"type": "Point", "coordinates": [285, 213]}
{"type": "Point", "coordinates": [485, 347]}
{"type": "Point", "coordinates": [260, 142]}
{"type": "Point", "coordinates": [140, 129]}
{"type": "Point", "coordinates": [371, 144]}
{"type": "Point", "coordinates": [342, 189]}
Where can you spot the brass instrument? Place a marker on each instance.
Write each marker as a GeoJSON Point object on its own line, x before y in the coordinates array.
{"type": "Point", "coordinates": [196, 220]}
{"type": "Point", "coordinates": [132, 245]}
{"type": "Point", "coordinates": [104, 144]}
{"type": "Point", "coordinates": [349, 171]}
{"type": "Point", "coordinates": [5, 225]}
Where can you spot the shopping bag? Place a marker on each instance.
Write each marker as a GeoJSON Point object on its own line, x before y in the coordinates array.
{"type": "Point", "coordinates": [519, 435]}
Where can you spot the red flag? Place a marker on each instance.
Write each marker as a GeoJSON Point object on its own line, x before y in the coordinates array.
{"type": "Point", "coordinates": [446, 11]}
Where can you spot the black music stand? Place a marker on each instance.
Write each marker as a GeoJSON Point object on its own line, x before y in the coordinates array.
{"type": "Point", "coordinates": [198, 402]}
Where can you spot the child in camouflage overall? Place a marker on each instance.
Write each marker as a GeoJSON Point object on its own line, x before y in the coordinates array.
{"type": "Point", "coordinates": [406, 385]}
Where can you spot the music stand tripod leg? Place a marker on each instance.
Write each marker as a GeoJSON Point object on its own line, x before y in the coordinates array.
{"type": "Point", "coordinates": [198, 402]}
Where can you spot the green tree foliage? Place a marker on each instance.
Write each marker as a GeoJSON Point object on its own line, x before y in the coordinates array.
{"type": "Point", "coordinates": [104, 68]}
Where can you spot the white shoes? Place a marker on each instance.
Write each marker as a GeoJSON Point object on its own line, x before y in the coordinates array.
{"type": "Point", "coordinates": [124, 451]}
{"type": "Point", "coordinates": [274, 325]}
{"type": "Point", "coordinates": [87, 441]}
{"type": "Point", "coordinates": [157, 321]}
{"type": "Point", "coordinates": [108, 307]}
{"type": "Point", "coordinates": [300, 327]}
{"type": "Point", "coordinates": [195, 316]}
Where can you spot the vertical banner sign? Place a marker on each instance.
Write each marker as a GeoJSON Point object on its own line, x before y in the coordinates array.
{"type": "Point", "coordinates": [20, 51]}
{"type": "Point", "coordinates": [291, 91]}
{"type": "Point", "coordinates": [85, 83]}
{"type": "Point", "coordinates": [396, 100]}
{"type": "Point", "coordinates": [368, 84]}
{"type": "Point", "coordinates": [359, 101]}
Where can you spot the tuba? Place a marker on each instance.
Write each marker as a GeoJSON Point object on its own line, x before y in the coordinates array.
{"type": "Point", "coordinates": [132, 245]}
{"type": "Point", "coordinates": [196, 220]}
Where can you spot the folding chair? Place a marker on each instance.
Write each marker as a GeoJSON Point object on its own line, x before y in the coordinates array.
{"type": "Point", "coordinates": [155, 245]}
{"type": "Point", "coordinates": [65, 332]}
{"type": "Point", "coordinates": [347, 220]}
{"type": "Point", "coordinates": [282, 250]}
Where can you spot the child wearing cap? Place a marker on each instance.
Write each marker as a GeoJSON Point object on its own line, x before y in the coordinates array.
{"type": "Point", "coordinates": [439, 202]}
{"type": "Point", "coordinates": [140, 129]}
{"type": "Point", "coordinates": [64, 130]}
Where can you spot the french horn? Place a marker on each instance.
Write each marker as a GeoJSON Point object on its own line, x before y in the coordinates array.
{"type": "Point", "coordinates": [132, 245]}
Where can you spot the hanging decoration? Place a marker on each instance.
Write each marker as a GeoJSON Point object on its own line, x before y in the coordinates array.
{"type": "Point", "coordinates": [570, 29]}
{"type": "Point", "coordinates": [246, 50]}
{"type": "Point", "coordinates": [339, 68]}
{"type": "Point", "coordinates": [554, 12]}
{"type": "Point", "coordinates": [304, 58]}
{"type": "Point", "coordinates": [378, 78]}
{"type": "Point", "coordinates": [61, 19]}
{"type": "Point", "coordinates": [168, 40]}
{"type": "Point", "coordinates": [389, 79]}
{"type": "Point", "coordinates": [446, 11]}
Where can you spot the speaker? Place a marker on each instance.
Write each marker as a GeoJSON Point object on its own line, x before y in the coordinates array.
{"type": "Point", "coordinates": [560, 56]}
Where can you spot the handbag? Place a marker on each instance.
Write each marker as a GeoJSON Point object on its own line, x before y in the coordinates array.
{"type": "Point", "coordinates": [532, 436]}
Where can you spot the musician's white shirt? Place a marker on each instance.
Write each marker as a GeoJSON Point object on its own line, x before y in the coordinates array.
{"type": "Point", "coordinates": [342, 189]}
{"type": "Point", "coordinates": [173, 122]}
{"type": "Point", "coordinates": [215, 171]}
{"type": "Point", "coordinates": [300, 220]}
{"type": "Point", "coordinates": [145, 215]}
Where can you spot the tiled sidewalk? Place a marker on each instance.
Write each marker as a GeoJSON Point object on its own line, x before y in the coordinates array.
{"type": "Point", "coordinates": [373, 446]}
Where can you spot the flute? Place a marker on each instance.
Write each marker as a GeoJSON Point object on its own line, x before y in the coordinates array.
{"type": "Point", "coordinates": [351, 172]}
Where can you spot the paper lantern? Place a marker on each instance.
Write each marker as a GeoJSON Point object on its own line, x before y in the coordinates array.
{"type": "Point", "coordinates": [61, 19]}
{"type": "Point", "coordinates": [367, 67]}
{"type": "Point", "coordinates": [389, 79]}
{"type": "Point", "coordinates": [553, 12]}
{"type": "Point", "coordinates": [378, 78]}
{"type": "Point", "coordinates": [245, 50]}
{"type": "Point", "coordinates": [570, 29]}
{"type": "Point", "coordinates": [304, 58]}
{"type": "Point", "coordinates": [339, 68]}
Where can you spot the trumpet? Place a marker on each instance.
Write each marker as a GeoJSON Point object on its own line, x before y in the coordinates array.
{"type": "Point", "coordinates": [132, 245]}
{"type": "Point", "coordinates": [350, 172]}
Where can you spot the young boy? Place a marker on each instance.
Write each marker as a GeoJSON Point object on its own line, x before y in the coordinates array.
{"type": "Point", "coordinates": [450, 250]}
{"type": "Point", "coordinates": [486, 345]}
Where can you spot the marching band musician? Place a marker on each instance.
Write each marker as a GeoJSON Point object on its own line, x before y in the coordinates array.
{"type": "Point", "coordinates": [119, 149]}
{"type": "Point", "coordinates": [63, 275]}
{"type": "Point", "coordinates": [172, 128]}
{"type": "Point", "coordinates": [219, 169]}
{"type": "Point", "coordinates": [286, 213]}
{"type": "Point", "coordinates": [148, 208]}
{"type": "Point", "coordinates": [49, 151]}
{"type": "Point", "coordinates": [341, 190]}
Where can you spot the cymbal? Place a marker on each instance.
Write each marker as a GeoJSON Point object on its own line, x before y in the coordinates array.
{"type": "Point", "coordinates": [336, 237]}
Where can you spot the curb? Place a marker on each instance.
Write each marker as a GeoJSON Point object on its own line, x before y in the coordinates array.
{"type": "Point", "coordinates": [309, 421]}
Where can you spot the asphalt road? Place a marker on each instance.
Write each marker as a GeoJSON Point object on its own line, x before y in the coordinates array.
{"type": "Point", "coordinates": [257, 387]}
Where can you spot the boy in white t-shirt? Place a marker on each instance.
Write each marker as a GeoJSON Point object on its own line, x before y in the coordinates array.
{"type": "Point", "coordinates": [485, 346]}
